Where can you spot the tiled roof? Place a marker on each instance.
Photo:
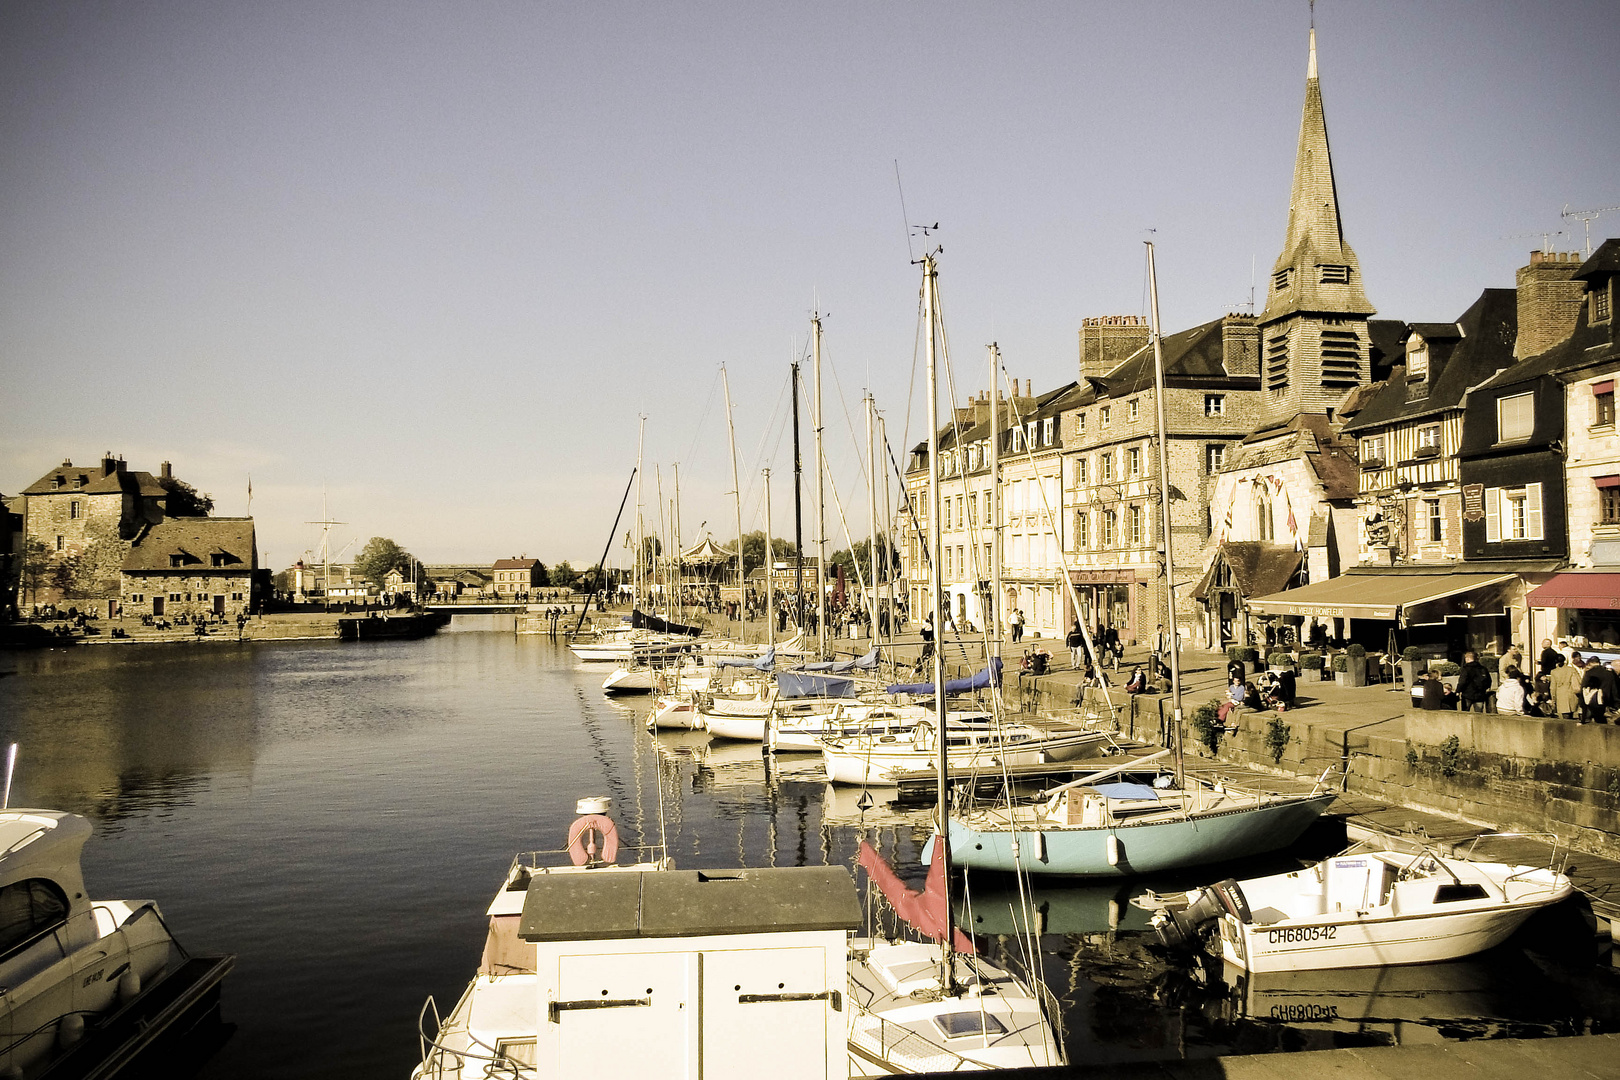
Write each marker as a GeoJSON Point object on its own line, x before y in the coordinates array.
{"type": "Point", "coordinates": [516, 564]}
{"type": "Point", "coordinates": [196, 541]}
{"type": "Point", "coordinates": [1602, 262]}
{"type": "Point", "coordinates": [90, 480]}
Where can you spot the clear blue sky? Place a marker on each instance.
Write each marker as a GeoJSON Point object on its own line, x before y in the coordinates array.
{"type": "Point", "coordinates": [438, 257]}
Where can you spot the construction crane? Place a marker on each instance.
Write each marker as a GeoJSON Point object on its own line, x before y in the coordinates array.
{"type": "Point", "coordinates": [1585, 217]}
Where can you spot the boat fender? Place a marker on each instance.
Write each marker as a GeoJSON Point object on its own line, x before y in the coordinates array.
{"type": "Point", "coordinates": [69, 1030]}
{"type": "Point", "coordinates": [129, 987]}
{"type": "Point", "coordinates": [593, 838]}
{"type": "Point", "coordinates": [1230, 894]}
{"type": "Point", "coordinates": [1113, 850]}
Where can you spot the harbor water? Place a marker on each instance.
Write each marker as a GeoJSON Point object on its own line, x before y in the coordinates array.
{"type": "Point", "coordinates": [339, 815]}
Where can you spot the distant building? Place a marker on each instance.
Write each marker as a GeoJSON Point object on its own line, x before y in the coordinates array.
{"type": "Point", "coordinates": [191, 566]}
{"type": "Point", "coordinates": [83, 519]}
{"type": "Point", "coordinates": [517, 575]}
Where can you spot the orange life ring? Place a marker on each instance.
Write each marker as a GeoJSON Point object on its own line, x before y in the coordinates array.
{"type": "Point", "coordinates": [606, 840]}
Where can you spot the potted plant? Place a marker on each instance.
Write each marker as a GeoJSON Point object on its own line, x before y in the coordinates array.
{"type": "Point", "coordinates": [1280, 661]}
{"type": "Point", "coordinates": [1251, 660]}
{"type": "Point", "coordinates": [1449, 673]}
{"type": "Point", "coordinates": [1355, 666]}
{"type": "Point", "coordinates": [1340, 664]}
{"type": "Point", "coordinates": [1310, 667]}
{"type": "Point", "coordinates": [1410, 659]}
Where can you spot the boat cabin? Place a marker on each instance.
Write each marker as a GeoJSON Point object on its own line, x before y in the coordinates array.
{"type": "Point", "coordinates": [685, 973]}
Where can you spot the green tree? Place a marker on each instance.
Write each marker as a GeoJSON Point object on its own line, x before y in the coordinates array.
{"type": "Point", "coordinates": [754, 550]}
{"type": "Point", "coordinates": [563, 576]}
{"type": "Point", "coordinates": [379, 556]}
{"type": "Point", "coordinates": [97, 570]}
{"type": "Point", "coordinates": [861, 554]}
{"type": "Point", "coordinates": [34, 573]}
{"type": "Point", "coordinates": [185, 500]}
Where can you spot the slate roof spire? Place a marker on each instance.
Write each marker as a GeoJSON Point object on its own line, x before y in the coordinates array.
{"type": "Point", "coordinates": [1317, 271]}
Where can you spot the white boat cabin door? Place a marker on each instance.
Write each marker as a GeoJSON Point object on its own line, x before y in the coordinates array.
{"type": "Point", "coordinates": [765, 1012]}
{"type": "Point", "coordinates": [1354, 883]}
{"type": "Point", "coordinates": [624, 1014]}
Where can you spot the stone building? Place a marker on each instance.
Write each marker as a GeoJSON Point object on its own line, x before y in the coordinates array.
{"type": "Point", "coordinates": [191, 566]}
{"type": "Point", "coordinates": [1111, 470]}
{"type": "Point", "coordinates": [517, 575]}
{"type": "Point", "coordinates": [84, 518]}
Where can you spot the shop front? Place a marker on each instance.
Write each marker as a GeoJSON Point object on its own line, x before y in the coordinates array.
{"type": "Point", "coordinates": [1588, 607]}
{"type": "Point", "coordinates": [1381, 609]}
{"type": "Point", "coordinates": [1107, 598]}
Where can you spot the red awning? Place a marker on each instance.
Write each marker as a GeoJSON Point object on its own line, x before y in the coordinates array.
{"type": "Point", "coordinates": [1577, 591]}
{"type": "Point", "coordinates": [1601, 388]}
{"type": "Point", "coordinates": [1606, 481]}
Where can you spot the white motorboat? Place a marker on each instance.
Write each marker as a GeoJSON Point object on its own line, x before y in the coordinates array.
{"type": "Point", "coordinates": [592, 968]}
{"type": "Point", "coordinates": [1371, 906]}
{"type": "Point", "coordinates": [78, 974]}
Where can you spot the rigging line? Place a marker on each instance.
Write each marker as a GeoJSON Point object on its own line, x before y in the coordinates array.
{"type": "Point", "coordinates": [843, 405]}
{"type": "Point", "coordinates": [905, 219]}
{"type": "Point", "coordinates": [911, 395]}
{"type": "Point", "coordinates": [754, 482]}
{"type": "Point", "coordinates": [860, 577]}
{"type": "Point", "coordinates": [691, 453]}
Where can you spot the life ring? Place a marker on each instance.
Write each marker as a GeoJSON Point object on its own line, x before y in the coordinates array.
{"type": "Point", "coordinates": [584, 851]}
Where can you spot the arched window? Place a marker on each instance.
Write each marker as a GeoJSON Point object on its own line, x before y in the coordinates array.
{"type": "Point", "coordinates": [1265, 528]}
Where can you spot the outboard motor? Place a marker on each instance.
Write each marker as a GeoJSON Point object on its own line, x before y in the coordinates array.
{"type": "Point", "coordinates": [1183, 929]}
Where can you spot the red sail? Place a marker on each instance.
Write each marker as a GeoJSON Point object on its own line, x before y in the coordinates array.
{"type": "Point", "coordinates": [923, 910]}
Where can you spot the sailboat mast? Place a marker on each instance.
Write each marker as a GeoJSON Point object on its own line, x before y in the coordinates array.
{"type": "Point", "coordinates": [997, 623]}
{"type": "Point", "coordinates": [1174, 642]}
{"type": "Point", "coordinates": [675, 542]}
{"type": "Point", "coordinates": [943, 817]}
{"type": "Point", "coordinates": [639, 585]}
{"type": "Point", "coordinates": [821, 515]}
{"type": "Point", "coordinates": [770, 568]}
{"type": "Point", "coordinates": [872, 512]}
{"type": "Point", "coordinates": [888, 525]}
{"type": "Point", "coordinates": [736, 490]}
{"type": "Point", "coordinates": [798, 511]}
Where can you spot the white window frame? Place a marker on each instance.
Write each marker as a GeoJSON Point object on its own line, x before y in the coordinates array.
{"type": "Point", "coordinates": [1133, 409]}
{"type": "Point", "coordinates": [1214, 404]}
{"type": "Point", "coordinates": [1214, 457]}
{"type": "Point", "coordinates": [1133, 463]}
{"type": "Point", "coordinates": [1105, 415]}
{"type": "Point", "coordinates": [1523, 427]}
{"type": "Point", "coordinates": [1500, 504]}
{"type": "Point", "coordinates": [1046, 432]}
{"type": "Point", "coordinates": [1372, 448]}
{"type": "Point", "coordinates": [1429, 435]}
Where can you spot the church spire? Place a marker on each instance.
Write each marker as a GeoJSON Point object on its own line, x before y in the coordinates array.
{"type": "Point", "coordinates": [1317, 271]}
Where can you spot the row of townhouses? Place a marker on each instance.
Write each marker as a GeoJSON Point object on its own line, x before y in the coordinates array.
{"type": "Point", "coordinates": [1446, 484]}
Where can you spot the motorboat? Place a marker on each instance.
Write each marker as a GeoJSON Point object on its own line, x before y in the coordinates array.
{"type": "Point", "coordinates": [1371, 906]}
{"type": "Point", "coordinates": [81, 977]}
{"type": "Point", "coordinates": [1089, 828]}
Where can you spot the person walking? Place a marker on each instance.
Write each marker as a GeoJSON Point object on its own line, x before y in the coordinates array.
{"type": "Point", "coordinates": [1592, 687]}
{"type": "Point", "coordinates": [1159, 645]}
{"type": "Point", "coordinates": [1549, 658]}
{"type": "Point", "coordinates": [1076, 642]}
{"type": "Point", "coordinates": [1016, 625]}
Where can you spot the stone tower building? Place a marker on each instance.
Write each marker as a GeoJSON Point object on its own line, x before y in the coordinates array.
{"type": "Point", "coordinates": [1313, 331]}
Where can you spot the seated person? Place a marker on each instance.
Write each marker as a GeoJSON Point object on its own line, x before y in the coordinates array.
{"type": "Point", "coordinates": [1137, 682]}
{"type": "Point", "coordinates": [1039, 662]}
{"type": "Point", "coordinates": [1234, 690]}
{"type": "Point", "coordinates": [1251, 697]}
{"type": "Point", "coordinates": [1434, 694]}
{"type": "Point", "coordinates": [1280, 696]}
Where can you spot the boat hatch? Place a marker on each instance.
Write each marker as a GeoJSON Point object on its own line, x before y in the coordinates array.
{"type": "Point", "coordinates": [958, 1025]}
{"type": "Point", "coordinates": [1452, 894]}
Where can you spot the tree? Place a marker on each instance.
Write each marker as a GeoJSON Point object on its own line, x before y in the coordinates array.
{"type": "Point", "coordinates": [563, 575]}
{"type": "Point", "coordinates": [35, 572]}
{"type": "Point", "coordinates": [754, 550]}
{"type": "Point", "coordinates": [97, 569]}
{"type": "Point", "coordinates": [379, 556]}
{"type": "Point", "coordinates": [591, 580]}
{"type": "Point", "coordinates": [185, 500]}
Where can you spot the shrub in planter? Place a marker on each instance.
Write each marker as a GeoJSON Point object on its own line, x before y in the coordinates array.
{"type": "Point", "coordinates": [1249, 655]}
{"type": "Point", "coordinates": [1310, 667]}
{"type": "Point", "coordinates": [1206, 724]}
{"type": "Point", "coordinates": [1490, 662]}
{"type": "Point", "coordinates": [1448, 668]}
{"type": "Point", "coordinates": [1411, 653]}
{"type": "Point", "coordinates": [1235, 652]}
{"type": "Point", "coordinates": [1280, 659]}
{"type": "Point", "coordinates": [1339, 663]}
{"type": "Point", "coordinates": [1356, 650]}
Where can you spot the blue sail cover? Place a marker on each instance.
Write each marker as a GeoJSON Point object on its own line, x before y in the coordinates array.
{"type": "Point", "coordinates": [797, 684]}
{"type": "Point", "coordinates": [764, 663]}
{"type": "Point", "coordinates": [956, 686]}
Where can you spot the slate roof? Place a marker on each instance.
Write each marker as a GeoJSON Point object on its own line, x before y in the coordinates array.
{"type": "Point", "coordinates": [1461, 355]}
{"type": "Point", "coordinates": [1602, 262]}
{"type": "Point", "coordinates": [1188, 354]}
{"type": "Point", "coordinates": [95, 482]}
{"type": "Point", "coordinates": [1049, 404]}
{"type": "Point", "coordinates": [1309, 436]}
{"type": "Point", "coordinates": [1587, 345]}
{"type": "Point", "coordinates": [196, 540]}
{"type": "Point", "coordinates": [1260, 568]}
{"type": "Point", "coordinates": [515, 564]}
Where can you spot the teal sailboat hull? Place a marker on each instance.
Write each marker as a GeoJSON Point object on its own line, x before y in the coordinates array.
{"type": "Point", "coordinates": [1142, 847]}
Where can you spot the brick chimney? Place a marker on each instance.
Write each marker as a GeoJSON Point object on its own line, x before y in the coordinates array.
{"type": "Point", "coordinates": [1549, 301]}
{"type": "Point", "coordinates": [1107, 340]}
{"type": "Point", "coordinates": [166, 471]}
{"type": "Point", "coordinates": [1240, 345]}
{"type": "Point", "coordinates": [109, 464]}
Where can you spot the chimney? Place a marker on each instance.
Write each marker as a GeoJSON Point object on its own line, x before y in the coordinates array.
{"type": "Point", "coordinates": [165, 471]}
{"type": "Point", "coordinates": [1240, 345]}
{"type": "Point", "coordinates": [1549, 301]}
{"type": "Point", "coordinates": [109, 464]}
{"type": "Point", "coordinates": [1107, 340]}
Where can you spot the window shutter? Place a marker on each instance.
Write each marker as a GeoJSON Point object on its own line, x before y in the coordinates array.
{"type": "Point", "coordinates": [1493, 515]}
{"type": "Point", "coordinates": [1532, 512]}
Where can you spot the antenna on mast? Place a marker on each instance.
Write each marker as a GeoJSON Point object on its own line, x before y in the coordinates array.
{"type": "Point", "coordinates": [1546, 237]}
{"type": "Point", "coordinates": [1585, 218]}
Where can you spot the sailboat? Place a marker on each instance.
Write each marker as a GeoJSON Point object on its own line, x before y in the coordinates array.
{"type": "Point", "coordinates": [1087, 828]}
{"type": "Point", "coordinates": [938, 1007]}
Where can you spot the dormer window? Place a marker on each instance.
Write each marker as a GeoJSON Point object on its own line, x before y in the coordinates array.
{"type": "Point", "coordinates": [1046, 432]}
{"type": "Point", "coordinates": [177, 560]}
{"type": "Point", "coordinates": [58, 481]}
{"type": "Point", "coordinates": [1279, 280]}
{"type": "Point", "coordinates": [1515, 418]}
{"type": "Point", "coordinates": [1104, 414]}
{"type": "Point", "coordinates": [1600, 303]}
{"type": "Point", "coordinates": [1333, 274]}
{"type": "Point", "coordinates": [1079, 423]}
{"type": "Point", "coordinates": [1029, 432]}
{"type": "Point", "coordinates": [78, 481]}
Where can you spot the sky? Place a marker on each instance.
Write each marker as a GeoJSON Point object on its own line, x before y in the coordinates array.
{"type": "Point", "coordinates": [428, 264]}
